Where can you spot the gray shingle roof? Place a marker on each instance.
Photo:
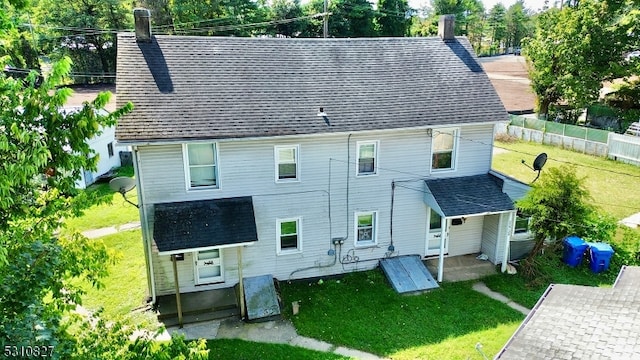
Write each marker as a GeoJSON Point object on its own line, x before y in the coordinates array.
{"type": "Point", "coordinates": [186, 87]}
{"type": "Point", "coordinates": [581, 322]}
{"type": "Point", "coordinates": [205, 223]}
{"type": "Point", "coordinates": [467, 195]}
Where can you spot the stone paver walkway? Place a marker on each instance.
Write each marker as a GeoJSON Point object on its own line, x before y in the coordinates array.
{"type": "Point", "coordinates": [482, 288]}
{"type": "Point", "coordinates": [96, 233]}
{"type": "Point", "coordinates": [279, 331]}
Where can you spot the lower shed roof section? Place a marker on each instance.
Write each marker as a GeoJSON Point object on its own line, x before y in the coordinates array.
{"type": "Point", "coordinates": [582, 322]}
{"type": "Point", "coordinates": [190, 225]}
{"type": "Point", "coordinates": [467, 195]}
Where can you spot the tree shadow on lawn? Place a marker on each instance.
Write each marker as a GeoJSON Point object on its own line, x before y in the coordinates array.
{"type": "Point", "coordinates": [362, 311]}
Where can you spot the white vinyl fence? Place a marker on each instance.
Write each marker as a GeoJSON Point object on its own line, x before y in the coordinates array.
{"type": "Point", "coordinates": [625, 148]}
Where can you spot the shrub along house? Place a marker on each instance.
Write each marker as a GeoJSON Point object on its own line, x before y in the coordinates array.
{"type": "Point", "coordinates": [308, 157]}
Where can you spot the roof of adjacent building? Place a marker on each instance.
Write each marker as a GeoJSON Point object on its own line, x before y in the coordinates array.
{"type": "Point", "coordinates": [187, 225]}
{"type": "Point", "coordinates": [582, 322]}
{"type": "Point", "coordinates": [187, 87]}
{"type": "Point", "coordinates": [467, 195]}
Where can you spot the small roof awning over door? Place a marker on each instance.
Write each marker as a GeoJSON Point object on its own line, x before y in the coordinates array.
{"type": "Point", "coordinates": [205, 224]}
{"type": "Point", "coordinates": [467, 195]}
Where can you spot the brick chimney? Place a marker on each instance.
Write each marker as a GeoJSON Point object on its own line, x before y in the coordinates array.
{"type": "Point", "coordinates": [445, 27]}
{"type": "Point", "coordinates": [142, 19]}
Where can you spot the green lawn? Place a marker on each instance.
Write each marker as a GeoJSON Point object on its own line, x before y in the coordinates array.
{"type": "Point", "coordinates": [233, 349]}
{"type": "Point", "coordinates": [125, 289]}
{"type": "Point", "coordinates": [612, 190]}
{"type": "Point", "coordinates": [113, 211]}
{"type": "Point", "coordinates": [363, 312]}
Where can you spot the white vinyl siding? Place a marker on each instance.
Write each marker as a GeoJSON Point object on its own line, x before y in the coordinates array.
{"type": "Point", "coordinates": [287, 163]}
{"type": "Point", "coordinates": [246, 168]}
{"type": "Point", "coordinates": [201, 165]}
{"type": "Point", "coordinates": [288, 237]}
{"type": "Point", "coordinates": [367, 160]}
{"type": "Point", "coordinates": [443, 149]}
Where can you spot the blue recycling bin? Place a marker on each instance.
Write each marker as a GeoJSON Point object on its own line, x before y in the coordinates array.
{"type": "Point", "coordinates": [574, 248]}
{"type": "Point", "coordinates": [600, 256]}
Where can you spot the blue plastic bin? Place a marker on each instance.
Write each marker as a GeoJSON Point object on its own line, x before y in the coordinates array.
{"type": "Point", "coordinates": [600, 256]}
{"type": "Point", "coordinates": [574, 248]}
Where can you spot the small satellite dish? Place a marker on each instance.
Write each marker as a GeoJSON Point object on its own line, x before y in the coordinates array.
{"type": "Point", "coordinates": [123, 184]}
{"type": "Point", "coordinates": [538, 163]}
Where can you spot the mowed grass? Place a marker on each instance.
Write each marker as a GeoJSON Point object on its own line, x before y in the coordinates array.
{"type": "Point", "coordinates": [125, 288]}
{"type": "Point", "coordinates": [234, 349]}
{"type": "Point", "coordinates": [463, 347]}
{"type": "Point", "coordinates": [362, 311]}
{"type": "Point", "coordinates": [113, 211]}
{"type": "Point", "coordinates": [612, 184]}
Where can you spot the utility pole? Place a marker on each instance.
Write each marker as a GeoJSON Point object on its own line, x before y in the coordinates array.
{"type": "Point", "coordinates": [326, 19]}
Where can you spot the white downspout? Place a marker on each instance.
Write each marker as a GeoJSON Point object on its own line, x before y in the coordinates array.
{"type": "Point", "coordinates": [510, 229]}
{"type": "Point", "coordinates": [443, 239]}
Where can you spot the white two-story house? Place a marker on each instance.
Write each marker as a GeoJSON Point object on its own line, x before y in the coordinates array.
{"type": "Point", "coordinates": [313, 156]}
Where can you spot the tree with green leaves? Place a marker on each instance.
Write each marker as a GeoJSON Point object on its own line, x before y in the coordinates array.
{"type": "Point", "coordinates": [288, 9]}
{"type": "Point", "coordinates": [573, 51]}
{"type": "Point", "coordinates": [42, 152]}
{"type": "Point", "coordinates": [218, 18]}
{"type": "Point", "coordinates": [497, 24]}
{"type": "Point", "coordinates": [393, 17]}
{"type": "Point", "coordinates": [559, 205]}
{"type": "Point", "coordinates": [349, 18]}
{"type": "Point", "coordinates": [518, 22]}
{"type": "Point", "coordinates": [85, 31]}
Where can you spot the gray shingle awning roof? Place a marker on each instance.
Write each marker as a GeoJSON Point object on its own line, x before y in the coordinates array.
{"type": "Point", "coordinates": [467, 195]}
{"type": "Point", "coordinates": [185, 226]}
{"type": "Point", "coordinates": [188, 87]}
{"type": "Point", "coordinates": [582, 322]}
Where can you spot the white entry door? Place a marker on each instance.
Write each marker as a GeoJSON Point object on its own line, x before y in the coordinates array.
{"type": "Point", "coordinates": [208, 267]}
{"type": "Point", "coordinates": [434, 234]}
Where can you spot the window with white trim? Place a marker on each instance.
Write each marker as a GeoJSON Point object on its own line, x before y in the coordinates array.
{"type": "Point", "coordinates": [288, 235]}
{"type": "Point", "coordinates": [287, 163]}
{"type": "Point", "coordinates": [522, 224]}
{"type": "Point", "coordinates": [365, 225]}
{"type": "Point", "coordinates": [201, 166]}
{"type": "Point", "coordinates": [443, 149]}
{"type": "Point", "coordinates": [367, 158]}
{"type": "Point", "coordinates": [110, 149]}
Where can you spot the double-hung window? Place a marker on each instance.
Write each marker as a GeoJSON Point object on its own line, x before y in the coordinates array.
{"type": "Point", "coordinates": [201, 166]}
{"type": "Point", "coordinates": [287, 168]}
{"type": "Point", "coordinates": [288, 235]}
{"type": "Point", "coordinates": [444, 143]}
{"type": "Point", "coordinates": [365, 224]}
{"type": "Point", "coordinates": [367, 162]}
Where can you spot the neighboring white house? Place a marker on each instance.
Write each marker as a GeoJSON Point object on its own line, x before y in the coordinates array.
{"type": "Point", "coordinates": [107, 150]}
{"type": "Point", "coordinates": [313, 156]}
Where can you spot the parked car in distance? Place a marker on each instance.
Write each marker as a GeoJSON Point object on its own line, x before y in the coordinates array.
{"type": "Point", "coordinates": [633, 129]}
{"type": "Point", "coordinates": [517, 51]}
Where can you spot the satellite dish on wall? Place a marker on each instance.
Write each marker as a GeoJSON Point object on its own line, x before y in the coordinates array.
{"type": "Point", "coordinates": [538, 164]}
{"type": "Point", "coordinates": [123, 184]}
